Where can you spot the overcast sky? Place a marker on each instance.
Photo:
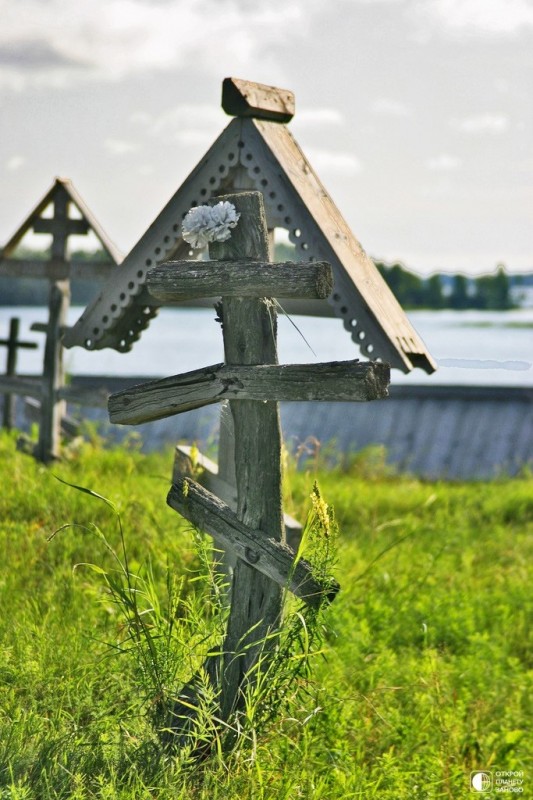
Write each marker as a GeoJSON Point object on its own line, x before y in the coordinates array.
{"type": "Point", "coordinates": [416, 114]}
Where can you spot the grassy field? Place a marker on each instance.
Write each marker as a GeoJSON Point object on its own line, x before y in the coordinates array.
{"type": "Point", "coordinates": [425, 673]}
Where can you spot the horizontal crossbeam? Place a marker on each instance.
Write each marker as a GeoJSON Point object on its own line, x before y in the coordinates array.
{"type": "Point", "coordinates": [18, 344]}
{"type": "Point", "coordinates": [12, 384]}
{"type": "Point", "coordinates": [272, 558]}
{"type": "Point", "coordinates": [54, 270]}
{"type": "Point", "coordinates": [187, 280]}
{"type": "Point", "coordinates": [61, 225]}
{"type": "Point", "coordinates": [43, 327]}
{"type": "Point", "coordinates": [338, 380]}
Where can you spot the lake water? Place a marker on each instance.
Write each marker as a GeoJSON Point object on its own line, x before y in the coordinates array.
{"type": "Point", "coordinates": [470, 347]}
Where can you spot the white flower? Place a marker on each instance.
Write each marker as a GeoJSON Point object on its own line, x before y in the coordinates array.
{"type": "Point", "coordinates": [205, 224]}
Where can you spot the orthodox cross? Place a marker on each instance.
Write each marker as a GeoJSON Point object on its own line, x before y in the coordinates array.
{"type": "Point", "coordinates": [253, 382]}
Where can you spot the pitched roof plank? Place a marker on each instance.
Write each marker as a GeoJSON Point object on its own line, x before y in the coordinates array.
{"type": "Point", "coordinates": [114, 319]}
{"type": "Point", "coordinates": [260, 154]}
{"type": "Point", "coordinates": [62, 189]}
{"type": "Point", "coordinates": [370, 312]}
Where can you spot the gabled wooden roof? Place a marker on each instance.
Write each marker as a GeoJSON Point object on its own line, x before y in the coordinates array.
{"type": "Point", "coordinates": [261, 154]}
{"type": "Point", "coordinates": [63, 191]}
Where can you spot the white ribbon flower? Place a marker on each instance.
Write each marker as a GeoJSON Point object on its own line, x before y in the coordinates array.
{"type": "Point", "coordinates": [205, 224]}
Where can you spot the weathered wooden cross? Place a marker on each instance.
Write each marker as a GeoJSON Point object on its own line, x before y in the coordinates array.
{"type": "Point", "coordinates": [58, 271]}
{"type": "Point", "coordinates": [253, 382]}
{"type": "Point", "coordinates": [13, 344]}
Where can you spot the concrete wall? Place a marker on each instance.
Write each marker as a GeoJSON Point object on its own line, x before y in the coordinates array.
{"type": "Point", "coordinates": [450, 432]}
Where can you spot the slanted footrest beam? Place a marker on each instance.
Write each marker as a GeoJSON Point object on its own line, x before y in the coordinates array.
{"type": "Point", "coordinates": [272, 558]}
{"type": "Point", "coordinates": [209, 478]}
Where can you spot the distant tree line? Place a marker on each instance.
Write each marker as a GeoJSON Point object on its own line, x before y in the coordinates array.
{"type": "Point", "coordinates": [34, 292]}
{"type": "Point", "coordinates": [490, 292]}
{"type": "Point", "coordinates": [441, 290]}
{"type": "Point", "coordinates": [486, 292]}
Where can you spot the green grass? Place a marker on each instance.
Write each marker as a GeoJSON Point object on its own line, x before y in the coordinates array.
{"type": "Point", "coordinates": [426, 672]}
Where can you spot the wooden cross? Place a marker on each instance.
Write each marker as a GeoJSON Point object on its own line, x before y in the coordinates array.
{"type": "Point", "coordinates": [58, 270]}
{"type": "Point", "coordinates": [253, 382]}
{"type": "Point", "coordinates": [13, 344]}
{"type": "Point", "coordinates": [61, 226]}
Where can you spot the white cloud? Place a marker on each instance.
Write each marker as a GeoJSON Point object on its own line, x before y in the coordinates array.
{"type": "Point", "coordinates": [14, 163]}
{"type": "Point", "coordinates": [120, 147]}
{"type": "Point", "coordinates": [482, 123]}
{"type": "Point", "coordinates": [475, 17]}
{"type": "Point", "coordinates": [318, 116]}
{"type": "Point", "coordinates": [501, 85]}
{"type": "Point", "coordinates": [185, 116]}
{"type": "Point", "coordinates": [443, 163]}
{"type": "Point", "coordinates": [389, 107]}
{"type": "Point", "coordinates": [325, 161]}
{"type": "Point", "coordinates": [59, 40]}
{"type": "Point", "coordinates": [185, 123]}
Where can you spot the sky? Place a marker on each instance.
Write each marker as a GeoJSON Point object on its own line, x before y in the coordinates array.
{"type": "Point", "coordinates": [416, 114]}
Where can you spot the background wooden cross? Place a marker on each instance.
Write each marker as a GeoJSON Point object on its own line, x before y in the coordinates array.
{"type": "Point", "coordinates": [13, 344]}
{"type": "Point", "coordinates": [49, 391]}
{"type": "Point", "coordinates": [60, 226]}
{"type": "Point", "coordinates": [253, 382]}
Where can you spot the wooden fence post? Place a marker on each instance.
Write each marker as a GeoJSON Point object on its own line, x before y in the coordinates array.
{"type": "Point", "coordinates": [52, 407]}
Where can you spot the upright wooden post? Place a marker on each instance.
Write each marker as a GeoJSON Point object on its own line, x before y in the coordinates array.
{"type": "Point", "coordinates": [8, 417]}
{"type": "Point", "coordinates": [249, 327]}
{"type": "Point", "coordinates": [52, 408]}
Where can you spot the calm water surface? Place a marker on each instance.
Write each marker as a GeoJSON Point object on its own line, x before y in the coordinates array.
{"type": "Point", "coordinates": [470, 347]}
